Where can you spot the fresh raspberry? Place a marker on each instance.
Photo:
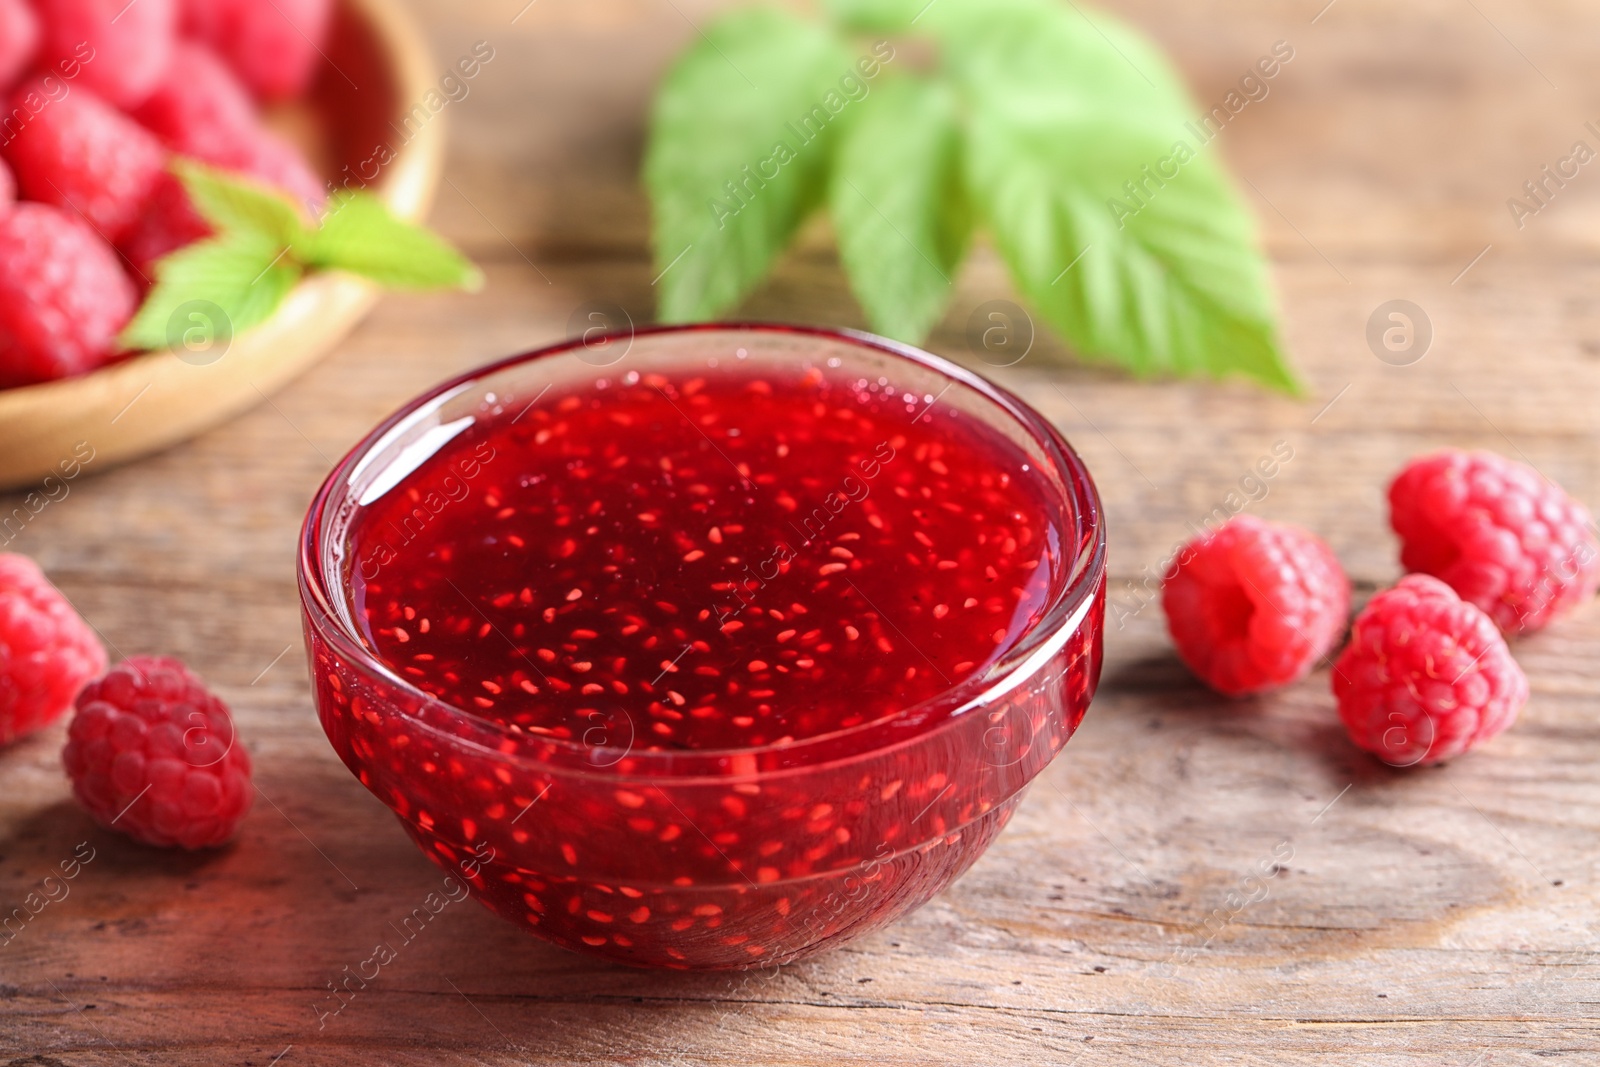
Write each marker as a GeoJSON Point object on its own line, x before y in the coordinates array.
{"type": "Point", "coordinates": [280, 164]}
{"type": "Point", "coordinates": [1254, 605]}
{"type": "Point", "coordinates": [19, 40]}
{"type": "Point", "coordinates": [47, 651]}
{"type": "Point", "coordinates": [1426, 675]}
{"type": "Point", "coordinates": [200, 109]}
{"type": "Point", "coordinates": [63, 296]}
{"type": "Point", "coordinates": [274, 45]}
{"type": "Point", "coordinates": [121, 49]}
{"type": "Point", "coordinates": [152, 753]}
{"type": "Point", "coordinates": [79, 153]}
{"type": "Point", "coordinates": [169, 222]}
{"type": "Point", "coordinates": [1498, 533]}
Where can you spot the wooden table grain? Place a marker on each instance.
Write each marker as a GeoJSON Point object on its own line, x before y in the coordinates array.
{"type": "Point", "coordinates": [1430, 917]}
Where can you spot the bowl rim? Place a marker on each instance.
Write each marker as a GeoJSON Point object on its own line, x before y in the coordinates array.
{"type": "Point", "coordinates": [1068, 613]}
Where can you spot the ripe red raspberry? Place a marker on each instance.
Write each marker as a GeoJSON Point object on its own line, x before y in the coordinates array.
{"type": "Point", "coordinates": [79, 153]}
{"type": "Point", "coordinates": [282, 165]}
{"type": "Point", "coordinates": [1498, 533]}
{"type": "Point", "coordinates": [122, 48]}
{"type": "Point", "coordinates": [274, 45]}
{"type": "Point", "coordinates": [47, 651]}
{"type": "Point", "coordinates": [63, 296]}
{"type": "Point", "coordinates": [1426, 675]}
{"type": "Point", "coordinates": [1255, 604]}
{"type": "Point", "coordinates": [19, 40]}
{"type": "Point", "coordinates": [152, 753]}
{"type": "Point", "coordinates": [169, 222]}
{"type": "Point", "coordinates": [200, 109]}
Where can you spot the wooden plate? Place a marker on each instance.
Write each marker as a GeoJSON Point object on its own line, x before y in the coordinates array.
{"type": "Point", "coordinates": [378, 71]}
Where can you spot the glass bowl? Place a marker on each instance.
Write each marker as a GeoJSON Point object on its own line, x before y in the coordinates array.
{"type": "Point", "coordinates": [705, 859]}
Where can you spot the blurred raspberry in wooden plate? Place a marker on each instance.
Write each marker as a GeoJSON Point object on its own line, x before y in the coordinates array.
{"type": "Point", "coordinates": [354, 126]}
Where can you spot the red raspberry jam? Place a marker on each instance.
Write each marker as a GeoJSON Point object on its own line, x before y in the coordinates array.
{"type": "Point", "coordinates": [722, 561]}
{"type": "Point", "coordinates": [710, 659]}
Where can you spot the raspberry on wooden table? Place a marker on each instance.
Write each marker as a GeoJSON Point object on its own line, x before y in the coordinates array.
{"type": "Point", "coordinates": [1254, 605]}
{"type": "Point", "coordinates": [1426, 675]}
{"type": "Point", "coordinates": [121, 49]}
{"type": "Point", "coordinates": [275, 46]}
{"type": "Point", "coordinates": [1498, 533]}
{"type": "Point", "coordinates": [19, 40]}
{"type": "Point", "coordinates": [47, 651]}
{"type": "Point", "coordinates": [81, 154]}
{"type": "Point", "coordinates": [64, 296]}
{"type": "Point", "coordinates": [152, 753]}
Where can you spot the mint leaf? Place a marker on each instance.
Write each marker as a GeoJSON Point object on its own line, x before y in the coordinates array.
{"type": "Point", "coordinates": [359, 235]}
{"type": "Point", "coordinates": [232, 282]}
{"type": "Point", "coordinates": [1154, 268]}
{"type": "Point", "coordinates": [899, 207]}
{"type": "Point", "coordinates": [229, 203]}
{"type": "Point", "coordinates": [740, 141]}
{"type": "Point", "coordinates": [263, 248]}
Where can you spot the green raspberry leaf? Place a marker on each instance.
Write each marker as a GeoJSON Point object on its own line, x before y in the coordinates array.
{"type": "Point", "coordinates": [899, 205]}
{"type": "Point", "coordinates": [1076, 148]}
{"type": "Point", "coordinates": [740, 141]}
{"type": "Point", "coordinates": [224, 285]}
{"type": "Point", "coordinates": [881, 16]}
{"type": "Point", "coordinates": [235, 204]}
{"type": "Point", "coordinates": [1114, 215]}
{"type": "Point", "coordinates": [1045, 50]}
{"type": "Point", "coordinates": [360, 235]}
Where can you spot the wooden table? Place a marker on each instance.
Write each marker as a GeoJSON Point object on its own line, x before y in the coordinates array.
{"type": "Point", "coordinates": [1438, 917]}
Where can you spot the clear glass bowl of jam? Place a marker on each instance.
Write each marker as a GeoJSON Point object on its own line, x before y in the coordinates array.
{"type": "Point", "coordinates": [706, 647]}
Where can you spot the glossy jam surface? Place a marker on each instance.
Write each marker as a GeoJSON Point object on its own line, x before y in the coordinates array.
{"type": "Point", "coordinates": [720, 560]}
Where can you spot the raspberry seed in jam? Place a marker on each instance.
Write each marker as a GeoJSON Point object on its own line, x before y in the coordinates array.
{"type": "Point", "coordinates": [729, 560]}
{"type": "Point", "coordinates": [742, 646]}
